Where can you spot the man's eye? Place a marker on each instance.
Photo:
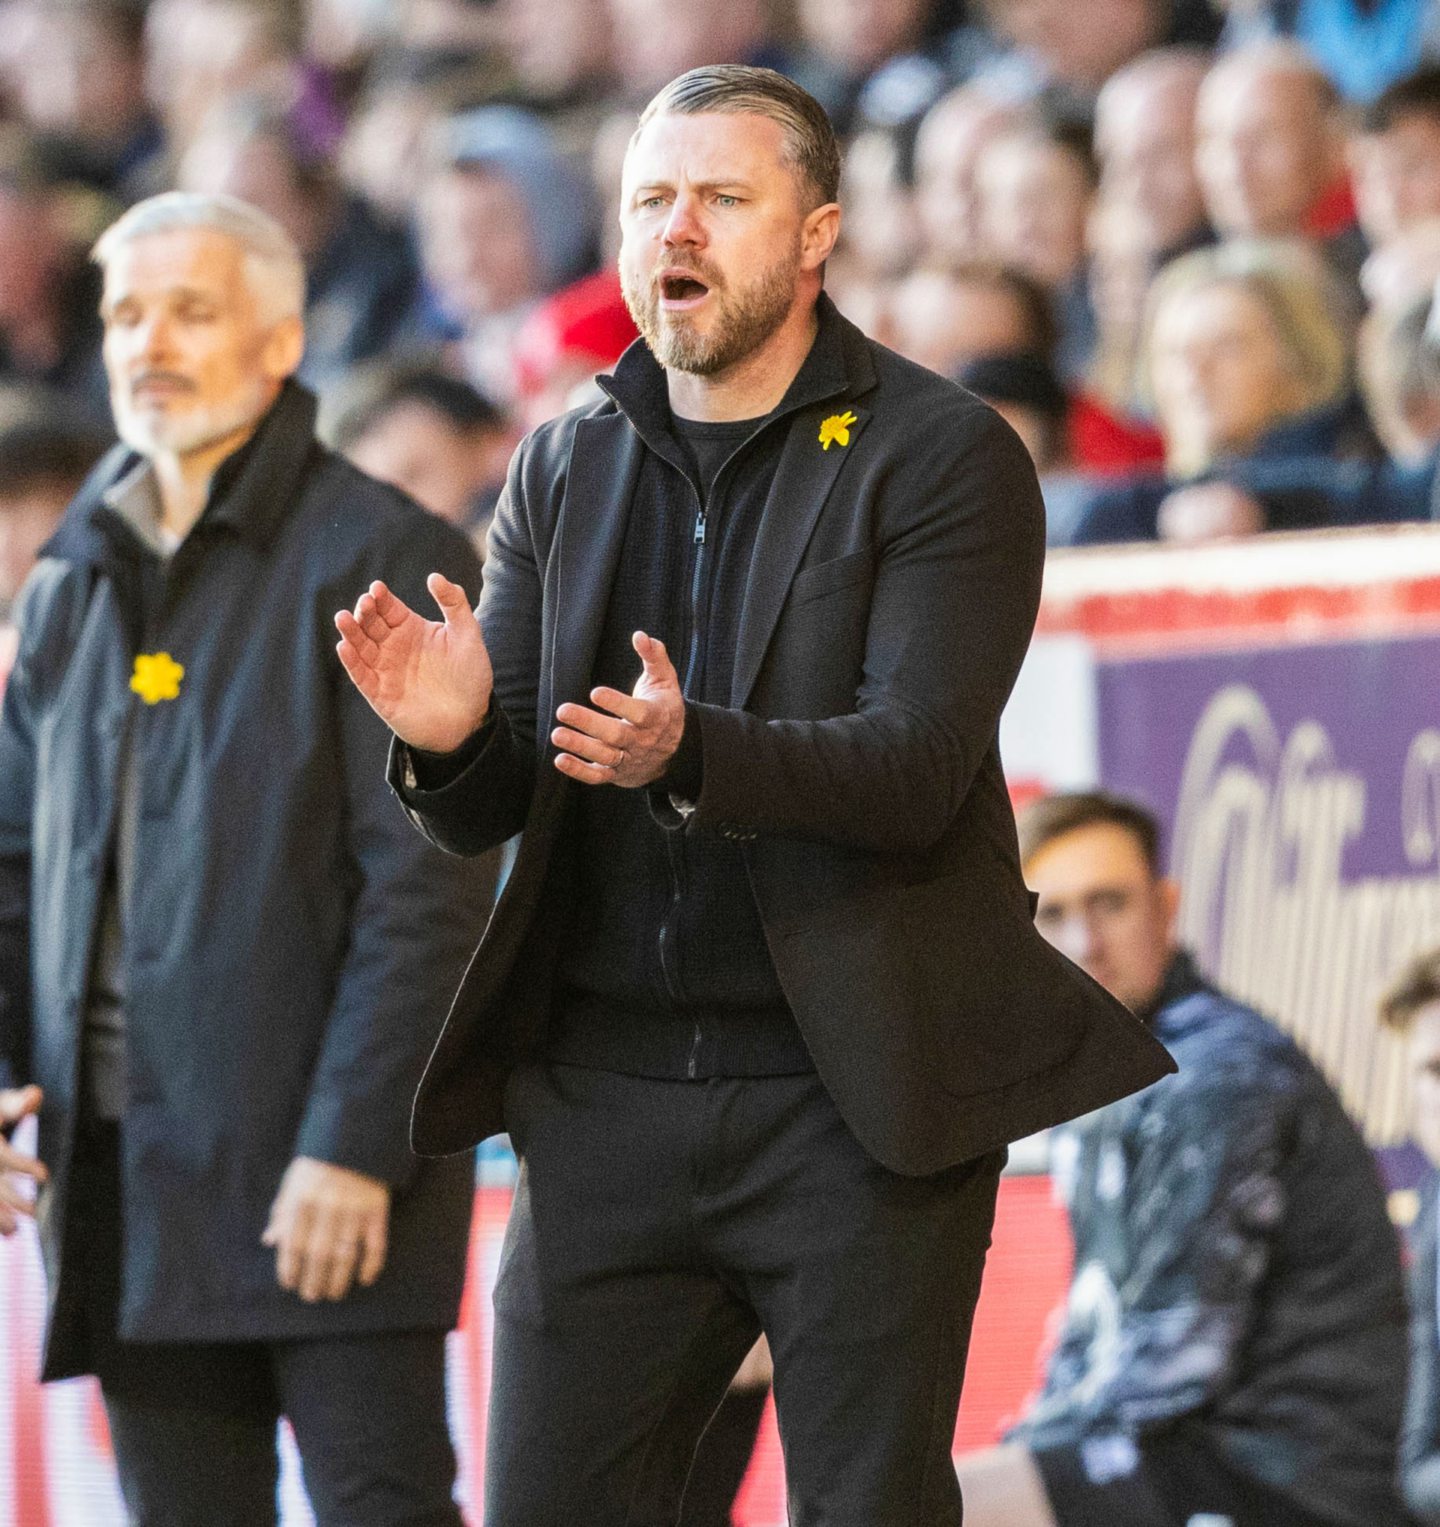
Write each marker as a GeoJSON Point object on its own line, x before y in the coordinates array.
{"type": "Point", "coordinates": [728, 201]}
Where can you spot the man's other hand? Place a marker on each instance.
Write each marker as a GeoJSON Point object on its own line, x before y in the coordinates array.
{"type": "Point", "coordinates": [630, 739]}
{"type": "Point", "coordinates": [429, 681]}
{"type": "Point", "coordinates": [329, 1228]}
{"type": "Point", "coordinates": [17, 1103]}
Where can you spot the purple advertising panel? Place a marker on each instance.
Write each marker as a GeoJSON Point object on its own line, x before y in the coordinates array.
{"type": "Point", "coordinates": [1300, 790]}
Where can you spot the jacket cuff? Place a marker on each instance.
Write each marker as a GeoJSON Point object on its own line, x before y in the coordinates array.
{"type": "Point", "coordinates": [674, 796]}
{"type": "Point", "coordinates": [685, 776]}
{"type": "Point", "coordinates": [343, 1133]}
{"type": "Point", "coordinates": [415, 774]}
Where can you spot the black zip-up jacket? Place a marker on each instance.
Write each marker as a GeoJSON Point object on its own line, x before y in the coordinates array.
{"type": "Point", "coordinates": [666, 971]}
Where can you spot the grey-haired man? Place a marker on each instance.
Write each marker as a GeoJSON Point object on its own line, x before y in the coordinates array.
{"type": "Point", "coordinates": [219, 942]}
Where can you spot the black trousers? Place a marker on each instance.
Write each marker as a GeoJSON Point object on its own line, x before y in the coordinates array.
{"type": "Point", "coordinates": [194, 1425]}
{"type": "Point", "coordinates": [658, 1227]}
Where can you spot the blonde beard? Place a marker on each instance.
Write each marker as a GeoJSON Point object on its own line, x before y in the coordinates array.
{"type": "Point", "coordinates": [746, 320]}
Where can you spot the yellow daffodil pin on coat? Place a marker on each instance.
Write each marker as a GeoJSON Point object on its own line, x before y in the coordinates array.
{"type": "Point", "coordinates": [156, 677]}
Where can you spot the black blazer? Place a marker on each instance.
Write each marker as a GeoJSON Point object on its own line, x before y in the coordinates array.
{"type": "Point", "coordinates": [893, 589]}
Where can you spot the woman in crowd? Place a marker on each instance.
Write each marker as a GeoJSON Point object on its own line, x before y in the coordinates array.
{"type": "Point", "coordinates": [1246, 356]}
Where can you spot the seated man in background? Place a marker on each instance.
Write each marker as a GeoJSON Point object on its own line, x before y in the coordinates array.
{"type": "Point", "coordinates": [1233, 1340]}
{"type": "Point", "coordinates": [1411, 1008]}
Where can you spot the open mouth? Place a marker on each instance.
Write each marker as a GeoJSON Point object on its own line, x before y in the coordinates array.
{"type": "Point", "coordinates": [679, 292]}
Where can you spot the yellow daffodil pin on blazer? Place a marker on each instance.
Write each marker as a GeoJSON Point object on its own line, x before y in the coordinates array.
{"type": "Point", "coordinates": [836, 430]}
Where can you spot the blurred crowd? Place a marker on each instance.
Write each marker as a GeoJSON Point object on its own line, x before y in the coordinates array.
{"type": "Point", "coordinates": [1188, 248]}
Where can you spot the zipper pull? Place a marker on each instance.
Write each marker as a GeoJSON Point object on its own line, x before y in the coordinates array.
{"type": "Point", "coordinates": [700, 528]}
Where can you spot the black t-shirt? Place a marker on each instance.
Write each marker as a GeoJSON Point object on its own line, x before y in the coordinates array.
{"type": "Point", "coordinates": [712, 444]}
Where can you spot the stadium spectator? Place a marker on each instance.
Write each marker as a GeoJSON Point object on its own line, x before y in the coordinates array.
{"type": "Point", "coordinates": [503, 221]}
{"type": "Point", "coordinates": [429, 434]}
{"type": "Point", "coordinates": [882, 233]}
{"type": "Point", "coordinates": [1400, 380]}
{"type": "Point", "coordinates": [75, 72]}
{"type": "Point", "coordinates": [384, 154]}
{"type": "Point", "coordinates": [1363, 45]}
{"type": "Point", "coordinates": [1247, 361]}
{"type": "Point", "coordinates": [361, 275]}
{"type": "Point", "coordinates": [1145, 144]}
{"type": "Point", "coordinates": [237, 969]}
{"type": "Point", "coordinates": [1404, 269]}
{"type": "Point", "coordinates": [200, 53]}
{"type": "Point", "coordinates": [1111, 428]}
{"type": "Point", "coordinates": [949, 143]}
{"type": "Point", "coordinates": [1410, 1009]}
{"type": "Point", "coordinates": [1062, 53]}
{"type": "Point", "coordinates": [656, 40]}
{"type": "Point", "coordinates": [1034, 192]}
{"type": "Point", "coordinates": [946, 318]}
{"type": "Point", "coordinates": [1247, 353]}
{"type": "Point", "coordinates": [1271, 151]}
{"type": "Point", "coordinates": [844, 43]}
{"type": "Point", "coordinates": [1026, 391]}
{"type": "Point", "coordinates": [582, 330]}
{"type": "Point", "coordinates": [46, 450]}
{"type": "Point", "coordinates": [49, 326]}
{"type": "Point", "coordinates": [560, 65]}
{"type": "Point", "coordinates": [1233, 1342]}
{"type": "Point", "coordinates": [1395, 158]}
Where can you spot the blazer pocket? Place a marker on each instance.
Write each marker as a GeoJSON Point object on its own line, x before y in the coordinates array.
{"type": "Point", "coordinates": [832, 576]}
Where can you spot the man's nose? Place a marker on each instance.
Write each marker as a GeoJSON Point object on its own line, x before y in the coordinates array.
{"type": "Point", "coordinates": [153, 339]}
{"type": "Point", "coordinates": [684, 225]}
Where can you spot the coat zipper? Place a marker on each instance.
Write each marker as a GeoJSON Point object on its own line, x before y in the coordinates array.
{"type": "Point", "coordinates": [669, 960]}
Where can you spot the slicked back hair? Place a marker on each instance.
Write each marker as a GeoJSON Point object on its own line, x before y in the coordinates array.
{"type": "Point", "coordinates": [1056, 816]}
{"type": "Point", "coordinates": [811, 147]}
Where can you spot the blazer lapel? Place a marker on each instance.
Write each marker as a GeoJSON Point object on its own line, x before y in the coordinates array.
{"type": "Point", "coordinates": [803, 480]}
{"type": "Point", "coordinates": [605, 461]}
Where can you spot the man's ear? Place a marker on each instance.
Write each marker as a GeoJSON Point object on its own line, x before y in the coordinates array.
{"type": "Point", "coordinates": [283, 350]}
{"type": "Point", "coordinates": [818, 235]}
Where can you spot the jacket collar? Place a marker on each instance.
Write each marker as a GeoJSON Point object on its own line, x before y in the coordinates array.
{"type": "Point", "coordinates": [1182, 979]}
{"type": "Point", "coordinates": [836, 364]}
{"type": "Point", "coordinates": [605, 463]}
{"type": "Point", "coordinates": [252, 492]}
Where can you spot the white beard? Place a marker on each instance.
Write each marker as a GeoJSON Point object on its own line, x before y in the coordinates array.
{"type": "Point", "coordinates": [160, 434]}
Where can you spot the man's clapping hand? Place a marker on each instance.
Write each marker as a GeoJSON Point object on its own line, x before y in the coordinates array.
{"type": "Point", "coordinates": [329, 1227]}
{"type": "Point", "coordinates": [628, 740]}
{"type": "Point", "coordinates": [16, 1167]}
{"type": "Point", "coordinates": [428, 681]}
